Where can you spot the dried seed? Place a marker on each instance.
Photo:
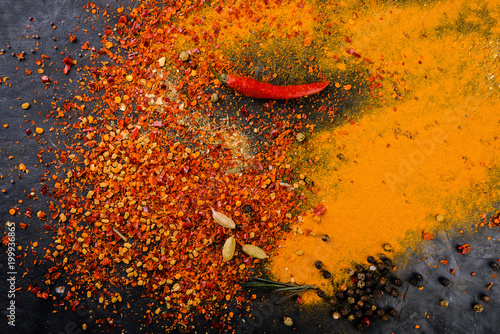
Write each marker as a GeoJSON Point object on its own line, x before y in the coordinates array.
{"type": "Point", "coordinates": [223, 220]}
{"type": "Point", "coordinates": [254, 251]}
{"type": "Point", "coordinates": [228, 249]}
{"type": "Point", "coordinates": [288, 321]}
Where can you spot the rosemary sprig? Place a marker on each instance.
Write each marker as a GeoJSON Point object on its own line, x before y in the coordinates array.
{"type": "Point", "coordinates": [293, 289]}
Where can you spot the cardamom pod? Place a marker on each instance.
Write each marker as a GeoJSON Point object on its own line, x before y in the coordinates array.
{"type": "Point", "coordinates": [254, 251]}
{"type": "Point", "coordinates": [223, 220]}
{"type": "Point", "coordinates": [228, 249]}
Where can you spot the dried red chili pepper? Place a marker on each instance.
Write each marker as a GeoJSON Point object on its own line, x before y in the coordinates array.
{"type": "Point", "coordinates": [263, 90]}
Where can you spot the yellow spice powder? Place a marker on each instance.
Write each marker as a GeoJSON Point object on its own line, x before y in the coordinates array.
{"type": "Point", "coordinates": [385, 175]}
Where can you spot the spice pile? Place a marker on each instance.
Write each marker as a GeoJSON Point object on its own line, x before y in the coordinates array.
{"type": "Point", "coordinates": [159, 189]}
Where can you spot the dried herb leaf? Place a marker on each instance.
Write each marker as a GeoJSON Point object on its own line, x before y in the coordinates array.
{"type": "Point", "coordinates": [222, 219]}
{"type": "Point", "coordinates": [254, 251]}
{"type": "Point", "coordinates": [228, 249]}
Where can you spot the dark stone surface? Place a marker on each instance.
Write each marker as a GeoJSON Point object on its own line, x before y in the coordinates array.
{"type": "Point", "coordinates": [34, 315]}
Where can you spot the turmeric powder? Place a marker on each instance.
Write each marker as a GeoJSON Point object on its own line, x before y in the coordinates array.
{"type": "Point", "coordinates": [423, 145]}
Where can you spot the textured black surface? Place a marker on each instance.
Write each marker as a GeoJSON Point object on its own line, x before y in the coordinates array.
{"type": "Point", "coordinates": [34, 315]}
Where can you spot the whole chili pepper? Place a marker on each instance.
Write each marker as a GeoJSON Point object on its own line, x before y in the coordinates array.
{"type": "Point", "coordinates": [263, 90]}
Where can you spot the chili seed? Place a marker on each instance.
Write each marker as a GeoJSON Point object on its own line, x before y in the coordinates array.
{"type": "Point", "coordinates": [478, 308]}
{"type": "Point", "coordinates": [184, 56]}
{"type": "Point", "coordinates": [444, 303]}
{"type": "Point", "coordinates": [288, 321]}
{"type": "Point", "coordinates": [214, 97]}
{"type": "Point", "coordinates": [300, 137]}
{"type": "Point", "coordinates": [336, 315]}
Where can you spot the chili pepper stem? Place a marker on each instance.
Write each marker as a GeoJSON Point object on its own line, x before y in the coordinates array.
{"type": "Point", "coordinates": [220, 76]}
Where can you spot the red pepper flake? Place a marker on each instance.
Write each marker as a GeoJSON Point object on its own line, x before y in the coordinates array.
{"type": "Point", "coordinates": [427, 235]}
{"type": "Point", "coordinates": [452, 271]}
{"type": "Point", "coordinates": [319, 209]}
{"type": "Point", "coordinates": [464, 249]}
{"type": "Point", "coordinates": [472, 274]}
{"type": "Point", "coordinates": [445, 262]}
{"type": "Point", "coordinates": [352, 52]}
{"type": "Point", "coordinates": [494, 276]}
{"type": "Point", "coordinates": [45, 79]}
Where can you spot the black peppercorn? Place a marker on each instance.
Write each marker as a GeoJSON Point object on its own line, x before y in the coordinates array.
{"type": "Point", "coordinates": [387, 262]}
{"type": "Point", "coordinates": [361, 284]}
{"type": "Point", "coordinates": [326, 274]}
{"type": "Point", "coordinates": [418, 277]}
{"type": "Point", "coordinates": [359, 292]}
{"type": "Point", "coordinates": [369, 313]}
{"type": "Point", "coordinates": [382, 256]}
{"type": "Point", "coordinates": [385, 317]}
{"type": "Point", "coordinates": [318, 265]}
{"type": "Point", "coordinates": [376, 277]}
{"type": "Point", "coordinates": [387, 289]}
{"type": "Point", "coordinates": [320, 293]}
{"type": "Point", "coordinates": [380, 313]}
{"type": "Point", "coordinates": [354, 308]}
{"type": "Point", "coordinates": [360, 327]}
{"type": "Point", "coordinates": [386, 273]}
{"type": "Point", "coordinates": [361, 276]}
{"type": "Point", "coordinates": [398, 282]}
{"type": "Point", "coordinates": [444, 281]}
{"type": "Point", "coordinates": [325, 238]}
{"type": "Point", "coordinates": [394, 292]}
{"type": "Point", "coordinates": [495, 265]}
{"type": "Point", "coordinates": [350, 292]}
{"type": "Point", "coordinates": [380, 265]}
{"type": "Point", "coordinates": [340, 296]}
{"type": "Point", "coordinates": [344, 311]}
{"type": "Point", "coordinates": [393, 312]}
{"type": "Point", "coordinates": [332, 301]}
{"type": "Point", "coordinates": [485, 298]}
{"type": "Point", "coordinates": [368, 291]}
{"type": "Point", "coordinates": [364, 298]}
{"type": "Point", "coordinates": [377, 293]}
{"type": "Point", "coordinates": [368, 283]}
{"type": "Point", "coordinates": [413, 281]}
{"type": "Point", "coordinates": [369, 275]}
{"type": "Point", "coordinates": [358, 314]}
{"type": "Point", "coordinates": [370, 259]}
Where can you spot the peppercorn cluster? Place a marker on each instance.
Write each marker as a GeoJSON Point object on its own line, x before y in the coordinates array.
{"type": "Point", "coordinates": [355, 300]}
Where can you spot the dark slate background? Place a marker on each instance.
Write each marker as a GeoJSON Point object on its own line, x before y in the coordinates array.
{"type": "Point", "coordinates": [35, 315]}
